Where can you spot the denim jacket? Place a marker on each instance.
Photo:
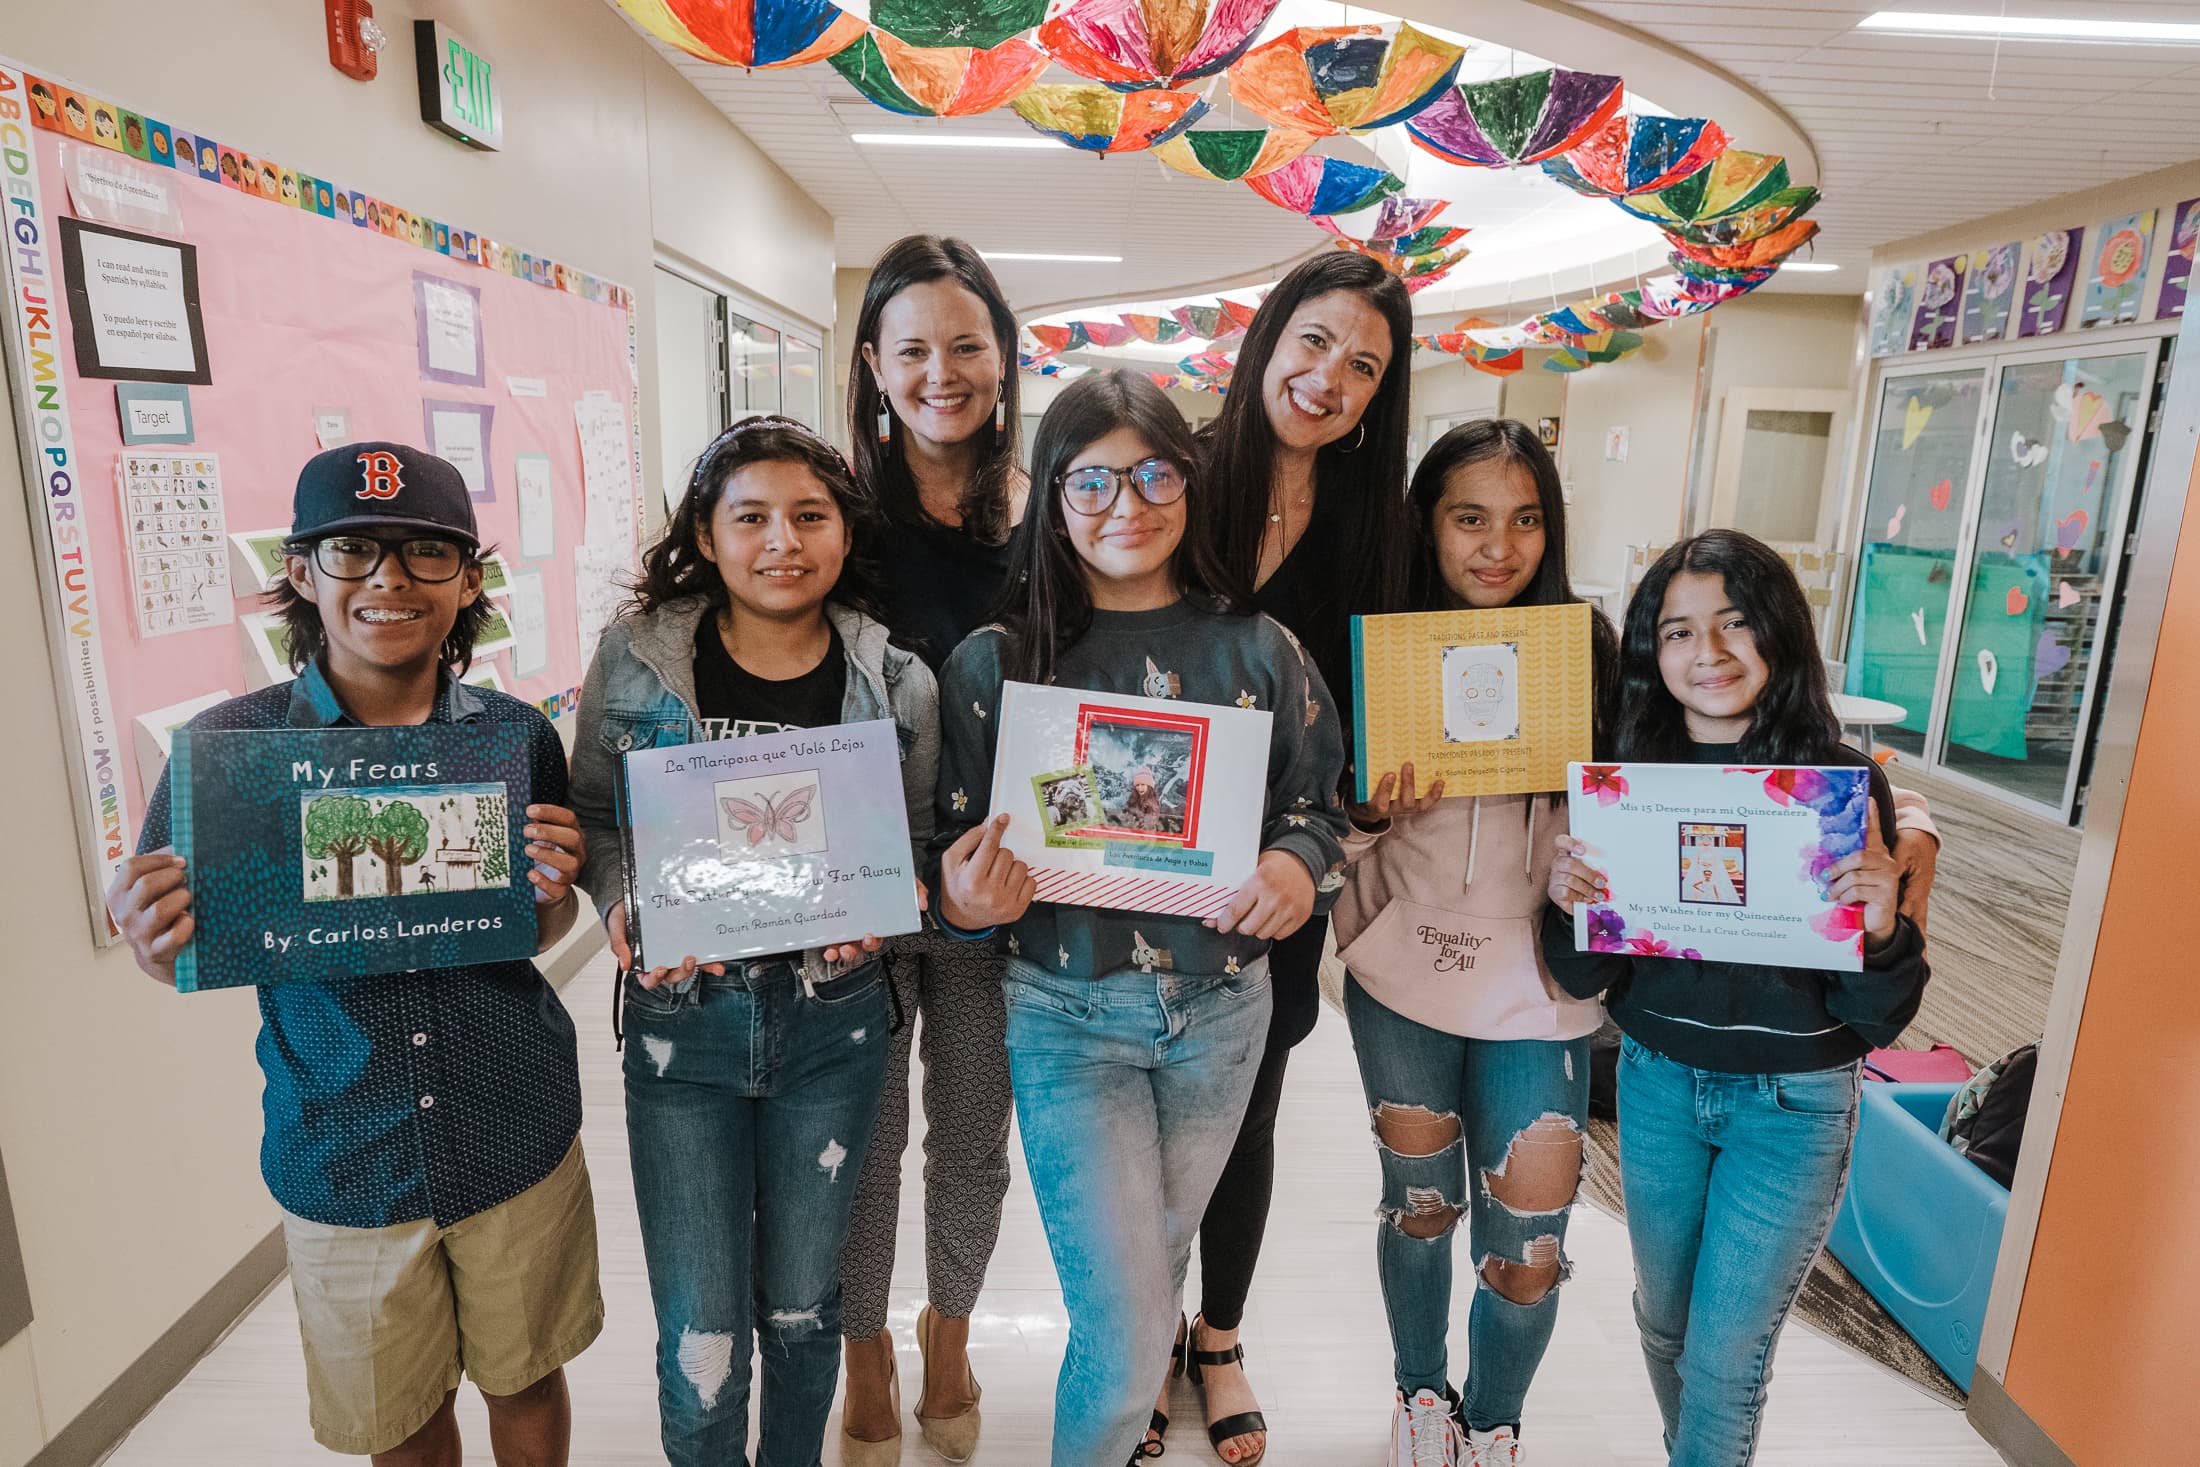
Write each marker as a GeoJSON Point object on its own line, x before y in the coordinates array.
{"type": "Point", "coordinates": [640, 693]}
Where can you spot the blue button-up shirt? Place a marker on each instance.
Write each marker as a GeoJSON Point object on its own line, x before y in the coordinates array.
{"type": "Point", "coordinates": [410, 1095]}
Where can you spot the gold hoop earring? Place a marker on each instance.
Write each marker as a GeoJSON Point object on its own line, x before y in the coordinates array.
{"type": "Point", "coordinates": [1359, 442]}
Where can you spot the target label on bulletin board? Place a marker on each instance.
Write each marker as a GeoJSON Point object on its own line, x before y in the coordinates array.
{"type": "Point", "coordinates": [188, 321]}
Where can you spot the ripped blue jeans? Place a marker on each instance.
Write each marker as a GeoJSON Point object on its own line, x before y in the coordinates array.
{"type": "Point", "coordinates": [749, 1107]}
{"type": "Point", "coordinates": [1511, 1112]}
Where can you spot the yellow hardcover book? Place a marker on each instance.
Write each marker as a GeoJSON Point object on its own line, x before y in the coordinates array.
{"type": "Point", "coordinates": [1491, 702]}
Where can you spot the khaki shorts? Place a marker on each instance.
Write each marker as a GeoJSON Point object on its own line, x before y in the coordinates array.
{"type": "Point", "coordinates": [390, 1316]}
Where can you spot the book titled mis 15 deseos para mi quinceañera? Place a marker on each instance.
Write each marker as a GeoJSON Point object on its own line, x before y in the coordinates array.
{"type": "Point", "coordinates": [321, 853]}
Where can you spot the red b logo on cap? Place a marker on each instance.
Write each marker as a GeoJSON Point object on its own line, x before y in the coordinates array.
{"type": "Point", "coordinates": [379, 470]}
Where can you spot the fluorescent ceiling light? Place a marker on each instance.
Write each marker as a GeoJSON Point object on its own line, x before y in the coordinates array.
{"type": "Point", "coordinates": [1060, 259]}
{"type": "Point", "coordinates": [1816, 267]}
{"type": "Point", "coordinates": [2029, 28]}
{"type": "Point", "coordinates": [950, 140]}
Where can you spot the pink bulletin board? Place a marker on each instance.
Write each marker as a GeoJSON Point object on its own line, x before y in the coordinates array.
{"type": "Point", "coordinates": [301, 313]}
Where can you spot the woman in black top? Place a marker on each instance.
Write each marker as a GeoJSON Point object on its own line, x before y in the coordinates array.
{"type": "Point", "coordinates": [932, 422]}
{"type": "Point", "coordinates": [1308, 460]}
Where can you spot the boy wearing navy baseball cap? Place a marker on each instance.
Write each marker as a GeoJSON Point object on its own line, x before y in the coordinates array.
{"type": "Point", "coordinates": [422, 1128]}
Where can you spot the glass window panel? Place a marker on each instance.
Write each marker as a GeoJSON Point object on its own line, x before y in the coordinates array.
{"type": "Point", "coordinates": [752, 366]}
{"type": "Point", "coordinates": [690, 407]}
{"type": "Point", "coordinates": [2046, 522]}
{"type": "Point", "coordinates": [1913, 511]}
{"type": "Point", "coordinates": [1783, 474]}
{"type": "Point", "coordinates": [805, 395]}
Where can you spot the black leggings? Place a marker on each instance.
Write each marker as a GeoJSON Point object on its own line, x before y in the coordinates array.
{"type": "Point", "coordinates": [1237, 1215]}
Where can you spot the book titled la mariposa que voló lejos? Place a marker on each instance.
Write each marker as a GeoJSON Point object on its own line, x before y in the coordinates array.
{"type": "Point", "coordinates": [324, 853]}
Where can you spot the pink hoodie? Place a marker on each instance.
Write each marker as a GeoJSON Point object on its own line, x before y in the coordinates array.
{"type": "Point", "coordinates": [1438, 919]}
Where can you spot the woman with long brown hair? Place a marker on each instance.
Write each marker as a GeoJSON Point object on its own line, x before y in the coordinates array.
{"type": "Point", "coordinates": [933, 429]}
{"type": "Point", "coordinates": [1308, 466]}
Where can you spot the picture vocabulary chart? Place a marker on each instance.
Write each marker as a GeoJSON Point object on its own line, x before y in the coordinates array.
{"type": "Point", "coordinates": [179, 550]}
{"type": "Point", "coordinates": [1720, 864]}
{"type": "Point", "coordinates": [771, 843]}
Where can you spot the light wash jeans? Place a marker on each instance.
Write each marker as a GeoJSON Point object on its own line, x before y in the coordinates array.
{"type": "Point", "coordinates": [1129, 1093]}
{"type": "Point", "coordinates": [1508, 1096]}
{"type": "Point", "coordinates": [1731, 1184]}
{"type": "Point", "coordinates": [749, 1104]}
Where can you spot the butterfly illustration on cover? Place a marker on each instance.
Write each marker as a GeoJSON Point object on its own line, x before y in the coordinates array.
{"type": "Point", "coordinates": [764, 818]}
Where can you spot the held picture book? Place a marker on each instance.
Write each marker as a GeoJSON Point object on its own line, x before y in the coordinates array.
{"type": "Point", "coordinates": [1720, 863]}
{"type": "Point", "coordinates": [1139, 804]}
{"type": "Point", "coordinates": [1491, 702]}
{"type": "Point", "coordinates": [323, 853]}
{"type": "Point", "coordinates": [772, 843]}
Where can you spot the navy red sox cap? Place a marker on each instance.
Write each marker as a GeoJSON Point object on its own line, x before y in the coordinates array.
{"type": "Point", "coordinates": [382, 486]}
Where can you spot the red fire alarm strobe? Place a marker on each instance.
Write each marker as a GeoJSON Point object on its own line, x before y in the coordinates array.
{"type": "Point", "coordinates": [354, 39]}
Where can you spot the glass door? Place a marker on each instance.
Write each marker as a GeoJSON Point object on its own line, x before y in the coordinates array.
{"type": "Point", "coordinates": [691, 378]}
{"type": "Point", "coordinates": [752, 362]}
{"type": "Point", "coordinates": [804, 382]}
{"type": "Point", "coordinates": [1916, 509]}
{"type": "Point", "coordinates": [2041, 575]}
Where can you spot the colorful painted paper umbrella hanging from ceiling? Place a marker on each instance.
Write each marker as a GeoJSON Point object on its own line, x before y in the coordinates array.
{"type": "Point", "coordinates": [1634, 154]}
{"type": "Point", "coordinates": [1417, 270]}
{"type": "Point", "coordinates": [1230, 153]}
{"type": "Point", "coordinates": [1318, 185]}
{"type": "Point", "coordinates": [1762, 253]}
{"type": "Point", "coordinates": [1511, 120]}
{"type": "Point", "coordinates": [1737, 196]}
{"type": "Point", "coordinates": [1155, 329]}
{"type": "Point", "coordinates": [1393, 218]}
{"type": "Point", "coordinates": [1099, 119]}
{"type": "Point", "coordinates": [758, 33]}
{"type": "Point", "coordinates": [1332, 79]}
{"type": "Point", "coordinates": [938, 81]}
{"type": "Point", "coordinates": [1132, 44]}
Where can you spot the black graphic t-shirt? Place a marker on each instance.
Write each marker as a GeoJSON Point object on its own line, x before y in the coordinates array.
{"type": "Point", "coordinates": [734, 703]}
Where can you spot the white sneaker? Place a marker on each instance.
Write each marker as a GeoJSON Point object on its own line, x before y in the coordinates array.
{"type": "Point", "coordinates": [1422, 1432]}
{"type": "Point", "coordinates": [1497, 1447]}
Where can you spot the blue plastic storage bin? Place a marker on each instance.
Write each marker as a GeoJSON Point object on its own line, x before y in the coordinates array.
{"type": "Point", "coordinates": [1920, 1226]}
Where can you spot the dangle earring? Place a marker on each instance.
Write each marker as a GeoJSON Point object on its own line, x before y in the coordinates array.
{"type": "Point", "coordinates": [1000, 415]}
{"type": "Point", "coordinates": [885, 420]}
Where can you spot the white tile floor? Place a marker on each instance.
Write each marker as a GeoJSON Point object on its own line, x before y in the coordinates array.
{"type": "Point", "coordinates": [1315, 1338]}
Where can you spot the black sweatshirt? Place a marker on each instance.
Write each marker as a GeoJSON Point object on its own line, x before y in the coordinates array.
{"type": "Point", "coordinates": [1745, 1018]}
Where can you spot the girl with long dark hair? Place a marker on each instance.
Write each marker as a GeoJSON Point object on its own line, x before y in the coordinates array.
{"type": "Point", "coordinates": [1738, 1083]}
{"type": "Point", "coordinates": [933, 424]}
{"type": "Point", "coordinates": [1477, 1082]}
{"type": "Point", "coordinates": [1133, 1037]}
{"type": "Point", "coordinates": [748, 619]}
{"type": "Point", "coordinates": [1307, 468]}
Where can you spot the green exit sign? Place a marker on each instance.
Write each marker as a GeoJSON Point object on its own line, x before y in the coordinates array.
{"type": "Point", "coordinates": [458, 88]}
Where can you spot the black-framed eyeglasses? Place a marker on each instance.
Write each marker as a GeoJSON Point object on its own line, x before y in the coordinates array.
{"type": "Point", "coordinates": [1094, 488]}
{"type": "Point", "coordinates": [356, 557]}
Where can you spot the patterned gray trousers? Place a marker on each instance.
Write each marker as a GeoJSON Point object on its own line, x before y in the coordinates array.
{"type": "Point", "coordinates": [947, 997]}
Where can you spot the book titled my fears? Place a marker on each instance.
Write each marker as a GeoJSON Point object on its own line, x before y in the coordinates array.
{"type": "Point", "coordinates": [321, 853]}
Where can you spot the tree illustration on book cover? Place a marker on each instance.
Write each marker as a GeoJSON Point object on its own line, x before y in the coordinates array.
{"type": "Point", "coordinates": [411, 841]}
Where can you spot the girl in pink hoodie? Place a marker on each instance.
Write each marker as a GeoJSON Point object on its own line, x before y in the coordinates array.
{"type": "Point", "coordinates": [1467, 1049]}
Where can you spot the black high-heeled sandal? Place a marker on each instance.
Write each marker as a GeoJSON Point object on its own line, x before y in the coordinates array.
{"type": "Point", "coordinates": [1159, 1424]}
{"type": "Point", "coordinates": [1244, 1423]}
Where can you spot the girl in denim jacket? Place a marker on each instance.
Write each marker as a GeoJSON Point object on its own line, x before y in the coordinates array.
{"type": "Point", "coordinates": [753, 1085]}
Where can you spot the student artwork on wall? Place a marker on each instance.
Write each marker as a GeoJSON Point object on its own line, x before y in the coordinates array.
{"type": "Point", "coordinates": [2184, 242]}
{"type": "Point", "coordinates": [1720, 864]}
{"type": "Point", "coordinates": [770, 843]}
{"type": "Point", "coordinates": [321, 853]}
{"type": "Point", "coordinates": [1939, 302]}
{"type": "Point", "coordinates": [1891, 310]}
{"type": "Point", "coordinates": [282, 328]}
{"type": "Point", "coordinates": [2049, 281]}
{"type": "Point", "coordinates": [1989, 291]}
{"type": "Point", "coordinates": [1138, 804]}
{"type": "Point", "coordinates": [2119, 275]}
{"type": "Point", "coordinates": [1490, 702]}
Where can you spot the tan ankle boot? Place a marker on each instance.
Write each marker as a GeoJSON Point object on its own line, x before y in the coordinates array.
{"type": "Point", "coordinates": [870, 1413]}
{"type": "Point", "coordinates": [947, 1413]}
